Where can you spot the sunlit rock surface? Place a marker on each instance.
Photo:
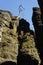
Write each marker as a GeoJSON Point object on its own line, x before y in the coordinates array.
{"type": "Point", "coordinates": [9, 41]}
{"type": "Point", "coordinates": [17, 42]}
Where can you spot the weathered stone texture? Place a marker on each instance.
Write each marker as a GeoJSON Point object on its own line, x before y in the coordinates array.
{"type": "Point", "coordinates": [37, 19]}
{"type": "Point", "coordinates": [9, 41]}
{"type": "Point", "coordinates": [16, 39]}
{"type": "Point", "coordinates": [27, 45]}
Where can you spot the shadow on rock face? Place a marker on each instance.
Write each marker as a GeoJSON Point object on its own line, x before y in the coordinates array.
{"type": "Point", "coordinates": [8, 63]}
{"type": "Point", "coordinates": [40, 2]}
{"type": "Point", "coordinates": [24, 26]}
{"type": "Point", "coordinates": [25, 59]}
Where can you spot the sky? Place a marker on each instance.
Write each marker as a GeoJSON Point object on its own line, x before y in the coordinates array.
{"type": "Point", "coordinates": [13, 7]}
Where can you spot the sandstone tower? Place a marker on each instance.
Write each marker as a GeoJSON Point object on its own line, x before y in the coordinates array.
{"type": "Point", "coordinates": [16, 41]}
{"type": "Point", "coordinates": [8, 37]}
{"type": "Point", "coordinates": [37, 19]}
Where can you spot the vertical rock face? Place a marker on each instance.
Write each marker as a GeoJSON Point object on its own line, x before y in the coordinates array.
{"type": "Point", "coordinates": [36, 17]}
{"type": "Point", "coordinates": [17, 41]}
{"type": "Point", "coordinates": [8, 40]}
{"type": "Point", "coordinates": [23, 25]}
{"type": "Point", "coordinates": [28, 53]}
{"type": "Point", "coordinates": [40, 2]}
{"type": "Point", "coordinates": [37, 22]}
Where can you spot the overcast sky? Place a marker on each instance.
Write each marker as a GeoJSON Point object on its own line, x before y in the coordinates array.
{"type": "Point", "coordinates": [13, 5]}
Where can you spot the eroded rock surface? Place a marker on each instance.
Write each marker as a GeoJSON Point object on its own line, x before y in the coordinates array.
{"type": "Point", "coordinates": [8, 40]}
{"type": "Point", "coordinates": [17, 41]}
{"type": "Point", "coordinates": [28, 53]}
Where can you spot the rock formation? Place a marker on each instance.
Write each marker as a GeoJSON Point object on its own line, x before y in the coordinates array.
{"type": "Point", "coordinates": [40, 2]}
{"type": "Point", "coordinates": [37, 19]}
{"type": "Point", "coordinates": [28, 53]}
{"type": "Point", "coordinates": [17, 44]}
{"type": "Point", "coordinates": [8, 37]}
